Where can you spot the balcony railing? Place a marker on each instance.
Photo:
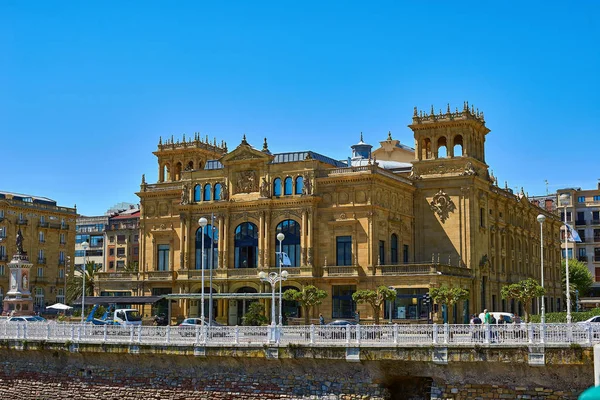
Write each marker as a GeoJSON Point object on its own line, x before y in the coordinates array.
{"type": "Point", "coordinates": [43, 224]}
{"type": "Point", "coordinates": [41, 260]}
{"type": "Point", "coordinates": [21, 221]}
{"type": "Point", "coordinates": [118, 276]}
{"type": "Point", "coordinates": [160, 275]}
{"type": "Point", "coordinates": [596, 222]}
{"type": "Point", "coordinates": [596, 259]}
{"type": "Point", "coordinates": [582, 258]}
{"type": "Point", "coordinates": [40, 279]}
{"type": "Point", "coordinates": [413, 269]}
{"type": "Point", "coordinates": [580, 222]}
{"type": "Point", "coordinates": [3, 257]}
{"type": "Point", "coordinates": [340, 270]}
{"type": "Point", "coordinates": [61, 262]}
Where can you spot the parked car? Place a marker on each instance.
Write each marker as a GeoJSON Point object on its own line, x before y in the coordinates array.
{"type": "Point", "coordinates": [26, 318]}
{"type": "Point", "coordinates": [187, 327]}
{"type": "Point", "coordinates": [341, 322]}
{"type": "Point", "coordinates": [595, 319]}
{"type": "Point", "coordinates": [337, 329]}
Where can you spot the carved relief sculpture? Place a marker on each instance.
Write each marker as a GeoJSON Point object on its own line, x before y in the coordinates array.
{"type": "Point", "coordinates": [469, 170]}
{"type": "Point", "coordinates": [184, 195]}
{"type": "Point", "coordinates": [246, 182]}
{"type": "Point", "coordinates": [442, 205]}
{"type": "Point", "coordinates": [224, 192]}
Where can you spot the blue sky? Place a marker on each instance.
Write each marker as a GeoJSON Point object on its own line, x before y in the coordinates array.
{"type": "Point", "coordinates": [87, 88]}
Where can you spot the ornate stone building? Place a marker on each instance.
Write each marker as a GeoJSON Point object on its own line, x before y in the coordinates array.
{"type": "Point", "coordinates": [376, 219]}
{"type": "Point", "coordinates": [48, 232]}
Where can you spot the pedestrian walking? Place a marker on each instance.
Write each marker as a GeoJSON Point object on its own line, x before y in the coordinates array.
{"type": "Point", "coordinates": [357, 316]}
{"type": "Point", "coordinates": [321, 319]}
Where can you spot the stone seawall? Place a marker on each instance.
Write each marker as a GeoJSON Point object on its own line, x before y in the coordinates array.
{"type": "Point", "coordinates": [86, 371]}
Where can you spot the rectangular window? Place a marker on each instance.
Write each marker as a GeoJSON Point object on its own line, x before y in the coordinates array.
{"type": "Point", "coordinates": [597, 254]}
{"type": "Point", "coordinates": [570, 253]}
{"type": "Point", "coordinates": [382, 252]}
{"type": "Point", "coordinates": [63, 239]}
{"type": "Point", "coordinates": [2, 232]}
{"type": "Point", "coordinates": [1, 270]}
{"type": "Point", "coordinates": [596, 235]}
{"type": "Point", "coordinates": [82, 238]}
{"type": "Point", "coordinates": [597, 274]}
{"type": "Point", "coordinates": [482, 217]}
{"type": "Point", "coordinates": [562, 216]}
{"type": "Point", "coordinates": [344, 250]}
{"type": "Point", "coordinates": [596, 198]}
{"type": "Point", "coordinates": [595, 217]}
{"type": "Point", "coordinates": [40, 272]}
{"type": "Point", "coordinates": [61, 273]}
{"type": "Point", "coordinates": [111, 264]}
{"type": "Point", "coordinates": [581, 199]}
{"type": "Point", "coordinates": [581, 233]}
{"type": "Point", "coordinates": [120, 264]}
{"type": "Point", "coordinates": [136, 238]}
{"type": "Point", "coordinates": [343, 305]}
{"type": "Point", "coordinates": [121, 252]}
{"type": "Point", "coordinates": [42, 237]}
{"type": "Point", "coordinates": [111, 239]}
{"type": "Point", "coordinates": [580, 218]}
{"type": "Point", "coordinates": [111, 251]}
{"type": "Point", "coordinates": [163, 257]}
{"type": "Point", "coordinates": [120, 238]}
{"type": "Point", "coordinates": [136, 251]}
{"type": "Point", "coordinates": [405, 253]}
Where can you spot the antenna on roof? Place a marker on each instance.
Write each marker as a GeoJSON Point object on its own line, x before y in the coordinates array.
{"type": "Point", "coordinates": [546, 180]}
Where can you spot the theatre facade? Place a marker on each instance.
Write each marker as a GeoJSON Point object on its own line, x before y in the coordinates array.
{"type": "Point", "coordinates": [411, 219]}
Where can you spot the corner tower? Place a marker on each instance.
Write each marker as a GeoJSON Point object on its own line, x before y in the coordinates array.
{"type": "Point", "coordinates": [456, 138]}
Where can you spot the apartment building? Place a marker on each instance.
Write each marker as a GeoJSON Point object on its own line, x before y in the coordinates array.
{"type": "Point", "coordinates": [48, 238]}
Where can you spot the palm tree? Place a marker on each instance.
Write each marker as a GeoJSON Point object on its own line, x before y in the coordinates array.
{"type": "Point", "coordinates": [75, 282]}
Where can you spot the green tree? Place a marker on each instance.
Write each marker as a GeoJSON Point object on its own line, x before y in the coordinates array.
{"type": "Point", "coordinates": [308, 297]}
{"type": "Point", "coordinates": [375, 298]}
{"type": "Point", "coordinates": [255, 315]}
{"type": "Point", "coordinates": [523, 291]}
{"type": "Point", "coordinates": [75, 282]}
{"type": "Point", "coordinates": [131, 267]}
{"type": "Point", "coordinates": [447, 296]}
{"type": "Point", "coordinates": [580, 278]}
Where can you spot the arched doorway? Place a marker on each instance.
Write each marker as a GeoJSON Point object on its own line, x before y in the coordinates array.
{"type": "Point", "coordinates": [246, 246]}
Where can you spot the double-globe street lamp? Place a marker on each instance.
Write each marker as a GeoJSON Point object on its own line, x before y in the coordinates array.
{"type": "Point", "coordinates": [84, 246]}
{"type": "Point", "coordinates": [273, 278]}
{"type": "Point", "coordinates": [280, 237]}
{"type": "Point", "coordinates": [564, 201]}
{"type": "Point", "coordinates": [541, 218]}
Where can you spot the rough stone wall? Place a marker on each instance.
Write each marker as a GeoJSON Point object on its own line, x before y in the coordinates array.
{"type": "Point", "coordinates": [47, 374]}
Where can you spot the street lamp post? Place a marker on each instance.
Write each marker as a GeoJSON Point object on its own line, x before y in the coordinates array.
{"type": "Point", "coordinates": [564, 200]}
{"type": "Point", "coordinates": [202, 222]}
{"type": "Point", "coordinates": [212, 262]}
{"type": "Point", "coordinates": [390, 301]}
{"type": "Point", "coordinates": [85, 246]}
{"type": "Point", "coordinates": [273, 278]}
{"type": "Point", "coordinates": [280, 237]}
{"type": "Point", "coordinates": [541, 218]}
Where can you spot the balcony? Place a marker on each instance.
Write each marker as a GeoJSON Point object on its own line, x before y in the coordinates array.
{"type": "Point", "coordinates": [580, 222]}
{"type": "Point", "coordinates": [60, 280]}
{"type": "Point", "coordinates": [596, 259]}
{"type": "Point", "coordinates": [21, 221]}
{"type": "Point", "coordinates": [119, 276]}
{"type": "Point", "coordinates": [340, 270]}
{"type": "Point", "coordinates": [3, 257]}
{"type": "Point", "coordinates": [582, 258]}
{"type": "Point", "coordinates": [61, 262]}
{"type": "Point", "coordinates": [419, 269]}
{"type": "Point", "coordinates": [40, 279]}
{"type": "Point", "coordinates": [1, 218]}
{"type": "Point", "coordinates": [41, 260]}
{"type": "Point", "coordinates": [43, 224]}
{"type": "Point", "coordinates": [596, 222]}
{"type": "Point", "coordinates": [64, 226]}
{"type": "Point", "coordinates": [596, 239]}
{"type": "Point", "coordinates": [160, 275]}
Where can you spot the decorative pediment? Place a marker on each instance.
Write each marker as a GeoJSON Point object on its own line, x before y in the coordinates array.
{"type": "Point", "coordinates": [245, 153]}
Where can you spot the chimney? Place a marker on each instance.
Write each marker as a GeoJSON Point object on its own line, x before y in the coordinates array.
{"type": "Point", "coordinates": [548, 204]}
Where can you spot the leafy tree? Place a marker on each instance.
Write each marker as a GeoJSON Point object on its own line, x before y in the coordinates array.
{"type": "Point", "coordinates": [447, 296]}
{"type": "Point", "coordinates": [375, 298]}
{"type": "Point", "coordinates": [255, 315]}
{"type": "Point", "coordinates": [580, 278]}
{"type": "Point", "coordinates": [523, 291]}
{"type": "Point", "coordinates": [131, 267]}
{"type": "Point", "coordinates": [308, 297]}
{"type": "Point", "coordinates": [74, 284]}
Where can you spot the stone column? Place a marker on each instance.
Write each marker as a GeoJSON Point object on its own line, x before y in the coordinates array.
{"type": "Point", "coordinates": [220, 241]}
{"type": "Point", "coordinates": [303, 244]}
{"type": "Point", "coordinates": [268, 236]}
{"type": "Point", "coordinates": [226, 242]}
{"type": "Point", "coordinates": [182, 246]}
{"type": "Point", "coordinates": [261, 239]}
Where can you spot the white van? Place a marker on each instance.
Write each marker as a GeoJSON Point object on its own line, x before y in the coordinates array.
{"type": "Point", "coordinates": [501, 317]}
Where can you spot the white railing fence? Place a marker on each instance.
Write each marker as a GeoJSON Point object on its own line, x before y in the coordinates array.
{"type": "Point", "coordinates": [307, 335]}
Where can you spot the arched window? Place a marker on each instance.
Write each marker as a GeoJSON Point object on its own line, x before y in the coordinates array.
{"type": "Point", "coordinates": [458, 146]}
{"type": "Point", "coordinates": [287, 189]}
{"type": "Point", "coordinates": [299, 184]}
{"type": "Point", "coordinates": [197, 193]}
{"type": "Point", "coordinates": [190, 166]}
{"type": "Point", "coordinates": [246, 246]}
{"type": "Point", "coordinates": [426, 149]}
{"type": "Point", "coordinates": [442, 149]}
{"type": "Point", "coordinates": [166, 171]}
{"type": "Point", "coordinates": [277, 187]}
{"type": "Point", "coordinates": [394, 248]}
{"type": "Point", "coordinates": [218, 191]}
{"type": "Point", "coordinates": [211, 237]}
{"type": "Point", "coordinates": [207, 192]}
{"type": "Point", "coordinates": [177, 171]}
{"type": "Point", "coordinates": [291, 243]}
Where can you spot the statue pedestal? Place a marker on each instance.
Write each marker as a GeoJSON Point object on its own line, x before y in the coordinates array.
{"type": "Point", "coordinates": [18, 300]}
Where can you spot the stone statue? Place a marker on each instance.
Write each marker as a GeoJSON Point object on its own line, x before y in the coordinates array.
{"type": "Point", "coordinates": [184, 195]}
{"type": "Point", "coordinates": [224, 192]}
{"type": "Point", "coordinates": [20, 242]}
{"type": "Point", "coordinates": [307, 185]}
{"type": "Point", "coordinates": [24, 281]}
{"type": "Point", "coordinates": [264, 188]}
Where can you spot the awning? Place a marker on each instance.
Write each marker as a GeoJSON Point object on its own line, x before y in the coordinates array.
{"type": "Point", "coordinates": [119, 300]}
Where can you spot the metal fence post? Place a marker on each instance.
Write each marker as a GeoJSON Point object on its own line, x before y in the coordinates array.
{"type": "Point", "coordinates": [204, 333]}
{"type": "Point", "coordinates": [347, 334]}
{"type": "Point", "coordinates": [105, 332]}
{"type": "Point", "coordinates": [312, 334]}
{"type": "Point", "coordinates": [131, 333]}
{"type": "Point", "coordinates": [395, 333]}
{"type": "Point", "coordinates": [488, 332]}
{"type": "Point", "coordinates": [530, 332]}
{"type": "Point", "coordinates": [237, 334]}
{"type": "Point", "coordinates": [47, 331]}
{"type": "Point", "coordinates": [435, 333]}
{"type": "Point", "coordinates": [446, 332]}
{"type": "Point", "coordinates": [168, 336]}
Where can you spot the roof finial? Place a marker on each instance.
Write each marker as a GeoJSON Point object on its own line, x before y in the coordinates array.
{"type": "Point", "coordinates": [160, 140]}
{"type": "Point", "coordinates": [389, 135]}
{"type": "Point", "coordinates": [415, 112]}
{"type": "Point", "coordinates": [505, 185]}
{"type": "Point", "coordinates": [465, 105]}
{"type": "Point", "coordinates": [244, 140]}
{"type": "Point", "coordinates": [143, 179]}
{"type": "Point", "coordinates": [472, 109]}
{"type": "Point", "coordinates": [184, 138]}
{"type": "Point", "coordinates": [432, 112]}
{"type": "Point", "coordinates": [361, 137]}
{"type": "Point", "coordinates": [448, 109]}
{"type": "Point", "coordinates": [265, 146]}
{"type": "Point", "coordinates": [225, 147]}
